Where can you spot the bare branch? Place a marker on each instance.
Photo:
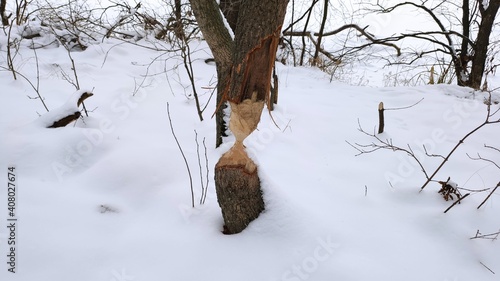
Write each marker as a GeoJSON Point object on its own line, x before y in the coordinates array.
{"type": "Point", "coordinates": [456, 202]}
{"type": "Point", "coordinates": [487, 121]}
{"type": "Point", "coordinates": [489, 195]}
{"type": "Point", "coordinates": [405, 107]}
{"type": "Point", "coordinates": [492, 236]}
{"type": "Point", "coordinates": [182, 153]}
{"type": "Point", "coordinates": [385, 144]}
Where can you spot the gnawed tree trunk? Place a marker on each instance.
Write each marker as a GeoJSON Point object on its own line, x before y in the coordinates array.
{"type": "Point", "coordinates": [246, 86]}
{"type": "Point", "coordinates": [236, 175]}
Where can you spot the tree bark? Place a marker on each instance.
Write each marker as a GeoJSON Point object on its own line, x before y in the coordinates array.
{"type": "Point", "coordinates": [5, 18]}
{"type": "Point", "coordinates": [256, 41]}
{"type": "Point", "coordinates": [320, 35]}
{"type": "Point", "coordinates": [230, 10]}
{"type": "Point", "coordinates": [461, 63]}
{"type": "Point", "coordinates": [221, 44]}
{"type": "Point", "coordinates": [239, 196]}
{"type": "Point", "coordinates": [482, 42]}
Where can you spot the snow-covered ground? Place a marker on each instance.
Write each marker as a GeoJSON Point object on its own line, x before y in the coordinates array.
{"type": "Point", "coordinates": [109, 197]}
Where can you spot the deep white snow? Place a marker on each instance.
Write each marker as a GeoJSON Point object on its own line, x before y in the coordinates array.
{"type": "Point", "coordinates": [108, 198]}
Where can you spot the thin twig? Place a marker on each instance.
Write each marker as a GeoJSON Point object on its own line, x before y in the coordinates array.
{"type": "Point", "coordinates": [489, 195]}
{"type": "Point", "coordinates": [487, 121]}
{"type": "Point", "coordinates": [207, 171]}
{"type": "Point", "coordinates": [199, 165]}
{"type": "Point", "coordinates": [31, 84]}
{"type": "Point", "coordinates": [405, 107]}
{"type": "Point", "coordinates": [183, 156]}
{"type": "Point", "coordinates": [487, 267]}
{"type": "Point", "coordinates": [490, 236]}
{"type": "Point", "coordinates": [384, 144]}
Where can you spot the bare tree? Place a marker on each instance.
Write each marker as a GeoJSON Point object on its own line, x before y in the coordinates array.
{"type": "Point", "coordinates": [244, 67]}
{"type": "Point", "coordinates": [467, 47]}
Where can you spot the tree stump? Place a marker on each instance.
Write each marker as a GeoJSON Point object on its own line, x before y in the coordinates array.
{"type": "Point", "coordinates": [239, 196]}
{"type": "Point", "coordinates": [236, 175]}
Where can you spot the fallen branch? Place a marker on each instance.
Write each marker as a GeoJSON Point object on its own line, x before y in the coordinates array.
{"type": "Point", "coordinates": [456, 202]}
{"type": "Point", "coordinates": [491, 236]}
{"type": "Point", "coordinates": [67, 113]}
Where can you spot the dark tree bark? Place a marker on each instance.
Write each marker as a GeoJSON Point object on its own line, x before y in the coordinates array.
{"type": "Point", "coordinates": [320, 35]}
{"type": "Point", "coordinates": [244, 67]}
{"type": "Point", "coordinates": [233, 188]}
{"type": "Point", "coordinates": [179, 28]}
{"type": "Point", "coordinates": [461, 65]}
{"type": "Point", "coordinates": [219, 40]}
{"type": "Point", "coordinates": [5, 18]}
{"type": "Point", "coordinates": [256, 41]}
{"type": "Point", "coordinates": [230, 10]}
{"type": "Point", "coordinates": [482, 42]}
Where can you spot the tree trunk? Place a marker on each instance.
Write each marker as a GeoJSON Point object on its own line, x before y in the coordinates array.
{"type": "Point", "coordinates": [256, 40]}
{"type": "Point", "coordinates": [230, 9]}
{"type": "Point", "coordinates": [5, 18]}
{"type": "Point", "coordinates": [245, 84]}
{"type": "Point", "coordinates": [220, 122]}
{"type": "Point", "coordinates": [221, 44]}
{"type": "Point", "coordinates": [482, 42]}
{"type": "Point", "coordinates": [461, 62]}
{"type": "Point", "coordinates": [320, 36]}
{"type": "Point", "coordinates": [236, 215]}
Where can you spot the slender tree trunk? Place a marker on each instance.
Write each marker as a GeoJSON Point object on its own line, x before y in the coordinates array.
{"type": "Point", "coordinates": [306, 25]}
{"type": "Point", "coordinates": [320, 36]}
{"type": "Point", "coordinates": [463, 60]}
{"type": "Point", "coordinates": [221, 44]}
{"type": "Point", "coordinates": [482, 42]}
{"type": "Point", "coordinates": [5, 18]}
{"type": "Point", "coordinates": [220, 122]}
{"type": "Point", "coordinates": [179, 28]}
